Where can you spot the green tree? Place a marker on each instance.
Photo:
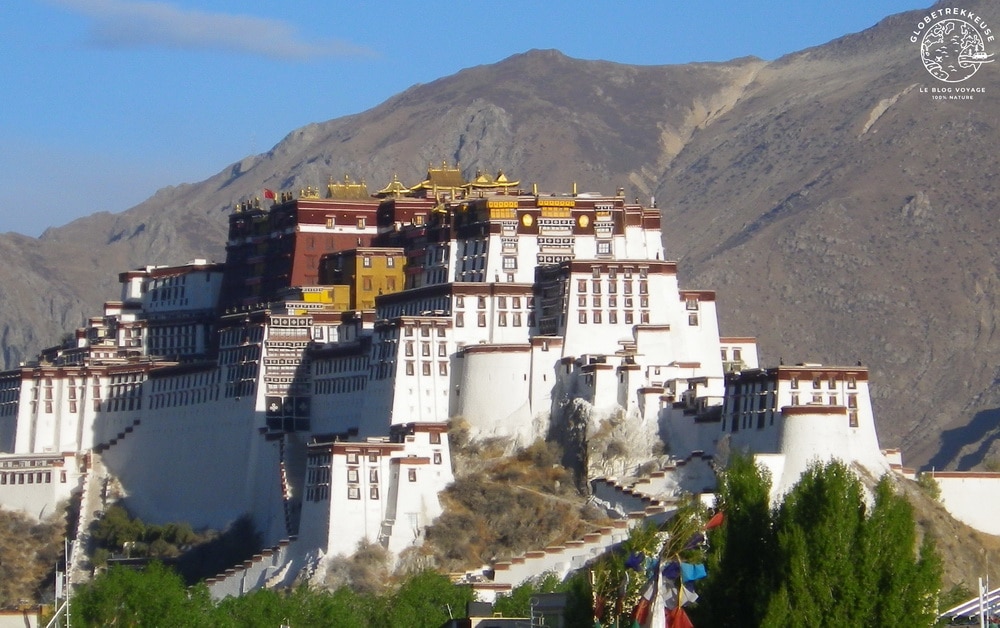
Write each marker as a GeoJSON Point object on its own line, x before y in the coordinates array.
{"type": "Point", "coordinates": [822, 558]}
{"type": "Point", "coordinates": [424, 600]}
{"type": "Point", "coordinates": [301, 606]}
{"type": "Point", "coordinates": [180, 534]}
{"type": "Point", "coordinates": [264, 608]}
{"type": "Point", "coordinates": [580, 603]}
{"type": "Point", "coordinates": [740, 565]}
{"type": "Point", "coordinates": [344, 608]}
{"type": "Point", "coordinates": [115, 528]}
{"type": "Point", "coordinates": [518, 602]}
{"type": "Point", "coordinates": [904, 578]}
{"type": "Point", "coordinates": [155, 596]}
{"type": "Point", "coordinates": [819, 529]}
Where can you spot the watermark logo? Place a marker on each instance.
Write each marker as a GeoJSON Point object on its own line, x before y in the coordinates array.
{"type": "Point", "coordinates": [953, 46]}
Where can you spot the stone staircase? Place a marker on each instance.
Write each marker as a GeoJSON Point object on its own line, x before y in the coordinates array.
{"type": "Point", "coordinates": [270, 567]}
{"type": "Point", "coordinates": [102, 447]}
{"type": "Point", "coordinates": [286, 494]}
{"type": "Point", "coordinates": [291, 475]}
{"type": "Point", "coordinates": [93, 500]}
{"type": "Point", "coordinates": [265, 569]}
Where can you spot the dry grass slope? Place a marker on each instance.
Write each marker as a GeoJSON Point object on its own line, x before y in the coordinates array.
{"type": "Point", "coordinates": [967, 554]}
{"type": "Point", "coordinates": [29, 551]}
{"type": "Point", "coordinates": [503, 505]}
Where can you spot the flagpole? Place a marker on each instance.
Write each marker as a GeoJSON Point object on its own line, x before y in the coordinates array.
{"type": "Point", "coordinates": [593, 594]}
{"type": "Point", "coordinates": [680, 585]}
{"type": "Point", "coordinates": [982, 608]}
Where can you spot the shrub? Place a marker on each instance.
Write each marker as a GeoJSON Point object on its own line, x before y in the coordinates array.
{"type": "Point", "coordinates": [929, 485]}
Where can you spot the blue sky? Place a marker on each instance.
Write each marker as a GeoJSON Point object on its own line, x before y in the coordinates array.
{"type": "Point", "coordinates": [106, 101]}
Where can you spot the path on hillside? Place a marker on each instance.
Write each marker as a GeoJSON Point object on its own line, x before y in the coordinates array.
{"type": "Point", "coordinates": [91, 507]}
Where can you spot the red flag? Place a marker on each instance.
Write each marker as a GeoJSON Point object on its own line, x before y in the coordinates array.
{"type": "Point", "coordinates": [641, 613]}
{"type": "Point", "coordinates": [715, 521]}
{"type": "Point", "coordinates": [642, 609]}
{"type": "Point", "coordinates": [677, 618]}
{"type": "Point", "coordinates": [268, 193]}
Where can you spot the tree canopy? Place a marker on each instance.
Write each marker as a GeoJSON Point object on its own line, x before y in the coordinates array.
{"type": "Point", "coordinates": [156, 596]}
{"type": "Point", "coordinates": [828, 555]}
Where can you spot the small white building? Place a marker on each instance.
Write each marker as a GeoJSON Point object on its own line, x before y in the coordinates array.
{"type": "Point", "coordinates": [175, 308]}
{"type": "Point", "coordinates": [37, 483]}
{"type": "Point", "coordinates": [379, 490]}
{"type": "Point", "coordinates": [793, 416]}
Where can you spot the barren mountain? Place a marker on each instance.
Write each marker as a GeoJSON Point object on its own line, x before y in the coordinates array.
{"type": "Point", "coordinates": [841, 213]}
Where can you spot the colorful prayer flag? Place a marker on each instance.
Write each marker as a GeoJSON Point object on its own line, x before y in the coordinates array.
{"type": "Point", "coordinates": [642, 609]}
{"type": "Point", "coordinates": [691, 572]}
{"type": "Point", "coordinates": [677, 618]}
{"type": "Point", "coordinates": [715, 521]}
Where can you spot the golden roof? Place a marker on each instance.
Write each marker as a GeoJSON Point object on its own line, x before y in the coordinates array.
{"type": "Point", "coordinates": [347, 189]}
{"type": "Point", "coordinates": [395, 188]}
{"type": "Point", "coordinates": [443, 177]}
{"type": "Point", "coordinates": [484, 180]}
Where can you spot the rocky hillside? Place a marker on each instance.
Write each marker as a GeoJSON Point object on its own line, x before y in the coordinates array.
{"type": "Point", "coordinates": [840, 213]}
{"type": "Point", "coordinates": [844, 215]}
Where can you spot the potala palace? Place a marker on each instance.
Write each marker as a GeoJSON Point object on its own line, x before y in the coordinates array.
{"type": "Point", "coordinates": [309, 379]}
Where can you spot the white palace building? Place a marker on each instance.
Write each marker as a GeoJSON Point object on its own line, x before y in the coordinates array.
{"type": "Point", "coordinates": [308, 381]}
